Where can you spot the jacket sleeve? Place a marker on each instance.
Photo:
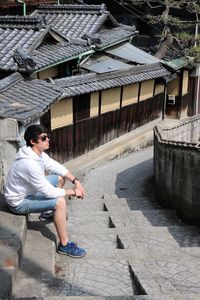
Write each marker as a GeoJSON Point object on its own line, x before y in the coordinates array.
{"type": "Point", "coordinates": [52, 166]}
{"type": "Point", "coordinates": [38, 181]}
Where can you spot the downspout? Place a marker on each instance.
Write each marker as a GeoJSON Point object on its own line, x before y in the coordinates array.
{"type": "Point", "coordinates": [197, 92]}
{"type": "Point", "coordinates": [24, 6]}
{"type": "Point", "coordinates": [165, 101]}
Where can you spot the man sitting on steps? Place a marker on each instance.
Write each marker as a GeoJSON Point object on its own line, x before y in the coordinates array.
{"type": "Point", "coordinates": [28, 190]}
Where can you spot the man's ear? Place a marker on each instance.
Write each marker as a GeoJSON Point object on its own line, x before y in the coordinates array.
{"type": "Point", "coordinates": [33, 142]}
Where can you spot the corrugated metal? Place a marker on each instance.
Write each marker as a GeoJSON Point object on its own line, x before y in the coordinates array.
{"type": "Point", "coordinates": [104, 64]}
{"type": "Point", "coordinates": [176, 64]}
{"type": "Point", "coordinates": [131, 53]}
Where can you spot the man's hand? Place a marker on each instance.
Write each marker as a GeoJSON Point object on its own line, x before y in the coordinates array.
{"type": "Point", "coordinates": [80, 188]}
{"type": "Point", "coordinates": [78, 193]}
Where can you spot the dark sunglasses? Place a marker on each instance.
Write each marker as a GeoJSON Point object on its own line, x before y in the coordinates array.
{"type": "Point", "coordinates": [43, 137]}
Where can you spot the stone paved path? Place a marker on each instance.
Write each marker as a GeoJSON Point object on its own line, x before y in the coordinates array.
{"type": "Point", "coordinates": [136, 249]}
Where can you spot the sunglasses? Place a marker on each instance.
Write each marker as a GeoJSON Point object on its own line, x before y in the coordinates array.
{"type": "Point", "coordinates": [43, 137]}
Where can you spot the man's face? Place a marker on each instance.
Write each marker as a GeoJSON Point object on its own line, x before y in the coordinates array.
{"type": "Point", "coordinates": [42, 142]}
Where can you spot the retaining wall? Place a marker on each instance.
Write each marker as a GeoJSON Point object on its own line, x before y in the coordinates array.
{"type": "Point", "coordinates": [177, 168]}
{"type": "Point", "coordinates": [8, 147]}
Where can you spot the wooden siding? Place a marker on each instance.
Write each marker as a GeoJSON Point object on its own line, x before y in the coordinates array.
{"type": "Point", "coordinates": [62, 113]}
{"type": "Point", "coordinates": [84, 135]}
{"type": "Point", "coordinates": [185, 82]}
{"type": "Point", "coordinates": [194, 99]}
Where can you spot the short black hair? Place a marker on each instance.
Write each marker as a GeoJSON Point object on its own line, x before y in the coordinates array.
{"type": "Point", "coordinates": [32, 132]}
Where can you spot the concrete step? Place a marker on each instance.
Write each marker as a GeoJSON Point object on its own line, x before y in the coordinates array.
{"type": "Point", "coordinates": [141, 203]}
{"type": "Point", "coordinates": [181, 241]}
{"type": "Point", "coordinates": [134, 297]}
{"type": "Point", "coordinates": [91, 277]}
{"type": "Point", "coordinates": [12, 236]}
{"type": "Point", "coordinates": [155, 218]}
{"type": "Point", "coordinates": [38, 260]}
{"type": "Point", "coordinates": [121, 217]}
{"type": "Point", "coordinates": [89, 205]}
{"type": "Point", "coordinates": [167, 275]}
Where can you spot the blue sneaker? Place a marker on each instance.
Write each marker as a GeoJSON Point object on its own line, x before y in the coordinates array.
{"type": "Point", "coordinates": [71, 249]}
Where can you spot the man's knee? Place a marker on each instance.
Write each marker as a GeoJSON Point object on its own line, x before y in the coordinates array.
{"type": "Point", "coordinates": [61, 203]}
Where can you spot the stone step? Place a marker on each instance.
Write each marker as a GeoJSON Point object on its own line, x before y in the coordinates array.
{"type": "Point", "coordinates": [155, 218]}
{"type": "Point", "coordinates": [91, 277]}
{"type": "Point", "coordinates": [89, 205]}
{"type": "Point", "coordinates": [181, 241]}
{"type": "Point", "coordinates": [122, 218]}
{"type": "Point", "coordinates": [167, 275]}
{"type": "Point", "coordinates": [87, 221]}
{"type": "Point", "coordinates": [141, 203]}
{"type": "Point", "coordinates": [12, 237]}
{"type": "Point", "coordinates": [38, 260]}
{"type": "Point", "coordinates": [134, 297]}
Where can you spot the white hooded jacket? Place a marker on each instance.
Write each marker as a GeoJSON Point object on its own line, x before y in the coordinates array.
{"type": "Point", "coordinates": [27, 176]}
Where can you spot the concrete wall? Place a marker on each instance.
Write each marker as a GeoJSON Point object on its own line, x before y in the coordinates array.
{"type": "Point", "coordinates": [8, 146]}
{"type": "Point", "coordinates": [176, 168]}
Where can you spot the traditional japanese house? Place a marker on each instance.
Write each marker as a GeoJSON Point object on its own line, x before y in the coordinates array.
{"type": "Point", "coordinates": [85, 111]}
{"type": "Point", "coordinates": [96, 108]}
{"type": "Point", "coordinates": [120, 87]}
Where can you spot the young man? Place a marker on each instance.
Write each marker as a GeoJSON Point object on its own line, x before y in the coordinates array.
{"type": "Point", "coordinates": [28, 190]}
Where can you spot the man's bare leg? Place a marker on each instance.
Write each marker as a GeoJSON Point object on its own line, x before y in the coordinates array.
{"type": "Point", "coordinates": [60, 221]}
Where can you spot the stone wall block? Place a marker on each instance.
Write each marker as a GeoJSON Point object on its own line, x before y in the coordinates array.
{"type": "Point", "coordinates": [177, 170]}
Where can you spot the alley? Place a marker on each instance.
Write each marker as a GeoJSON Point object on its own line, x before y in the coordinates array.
{"type": "Point", "coordinates": [136, 249]}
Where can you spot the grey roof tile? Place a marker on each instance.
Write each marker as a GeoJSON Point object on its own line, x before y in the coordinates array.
{"type": "Point", "coordinates": [45, 55]}
{"type": "Point", "coordinates": [96, 82]}
{"type": "Point", "coordinates": [78, 20]}
{"type": "Point", "coordinates": [25, 100]}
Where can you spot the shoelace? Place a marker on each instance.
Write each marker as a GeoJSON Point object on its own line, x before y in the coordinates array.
{"type": "Point", "coordinates": [74, 246]}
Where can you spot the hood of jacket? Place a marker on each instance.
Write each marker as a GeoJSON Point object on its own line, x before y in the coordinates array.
{"type": "Point", "coordinates": [27, 153]}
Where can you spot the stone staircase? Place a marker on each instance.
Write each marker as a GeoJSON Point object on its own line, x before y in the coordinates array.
{"type": "Point", "coordinates": [136, 250]}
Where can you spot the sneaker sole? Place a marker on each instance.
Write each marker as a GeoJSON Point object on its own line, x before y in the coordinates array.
{"type": "Point", "coordinates": [47, 219]}
{"type": "Point", "coordinates": [63, 253]}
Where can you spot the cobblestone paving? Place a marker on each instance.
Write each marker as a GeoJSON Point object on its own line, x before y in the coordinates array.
{"type": "Point", "coordinates": [136, 249]}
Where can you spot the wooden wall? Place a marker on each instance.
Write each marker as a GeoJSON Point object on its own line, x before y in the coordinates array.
{"type": "Point", "coordinates": [83, 135]}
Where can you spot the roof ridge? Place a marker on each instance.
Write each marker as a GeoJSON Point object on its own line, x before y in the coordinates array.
{"type": "Point", "coordinates": [115, 74]}
{"type": "Point", "coordinates": [62, 7]}
{"type": "Point", "coordinates": [10, 81]}
{"type": "Point", "coordinates": [31, 22]}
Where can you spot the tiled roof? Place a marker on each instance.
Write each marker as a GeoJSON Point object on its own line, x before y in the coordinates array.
{"type": "Point", "coordinates": [23, 37]}
{"type": "Point", "coordinates": [91, 82]}
{"type": "Point", "coordinates": [10, 3]}
{"type": "Point", "coordinates": [28, 34]}
{"type": "Point", "coordinates": [78, 20]}
{"type": "Point", "coordinates": [25, 100]}
{"type": "Point", "coordinates": [49, 54]}
{"type": "Point", "coordinates": [19, 22]}
{"type": "Point", "coordinates": [112, 36]}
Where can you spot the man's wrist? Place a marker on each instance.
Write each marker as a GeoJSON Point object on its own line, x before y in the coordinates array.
{"type": "Point", "coordinates": [74, 180]}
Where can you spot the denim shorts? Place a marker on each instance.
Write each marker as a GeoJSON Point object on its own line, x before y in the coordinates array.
{"type": "Point", "coordinates": [37, 203]}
